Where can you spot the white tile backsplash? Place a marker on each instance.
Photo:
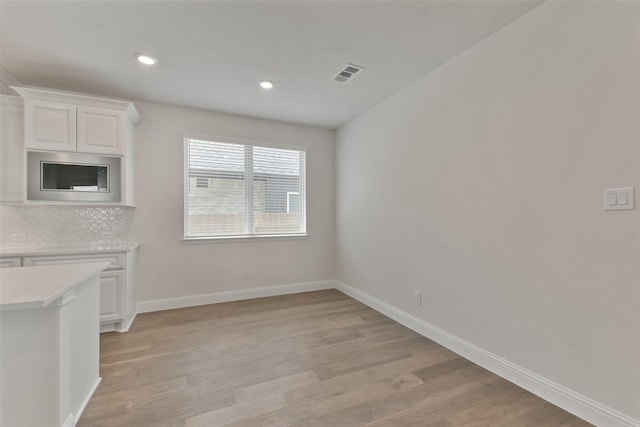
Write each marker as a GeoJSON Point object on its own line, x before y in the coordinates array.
{"type": "Point", "coordinates": [67, 226]}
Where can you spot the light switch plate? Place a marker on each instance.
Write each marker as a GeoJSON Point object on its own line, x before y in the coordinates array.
{"type": "Point", "coordinates": [618, 199]}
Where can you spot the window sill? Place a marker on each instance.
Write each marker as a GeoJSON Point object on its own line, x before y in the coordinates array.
{"type": "Point", "coordinates": [236, 239]}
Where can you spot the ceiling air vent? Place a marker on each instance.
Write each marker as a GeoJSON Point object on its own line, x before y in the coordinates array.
{"type": "Point", "coordinates": [347, 73]}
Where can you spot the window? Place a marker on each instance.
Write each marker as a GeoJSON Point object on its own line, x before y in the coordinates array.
{"type": "Point", "coordinates": [242, 190]}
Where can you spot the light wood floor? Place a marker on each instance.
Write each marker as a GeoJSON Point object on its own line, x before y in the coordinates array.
{"type": "Point", "coordinates": [311, 359]}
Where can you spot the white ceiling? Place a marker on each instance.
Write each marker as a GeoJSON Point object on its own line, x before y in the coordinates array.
{"type": "Point", "coordinates": [212, 53]}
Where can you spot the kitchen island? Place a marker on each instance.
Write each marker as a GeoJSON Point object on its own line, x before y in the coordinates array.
{"type": "Point", "coordinates": [49, 343]}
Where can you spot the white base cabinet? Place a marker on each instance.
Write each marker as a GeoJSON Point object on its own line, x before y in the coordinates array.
{"type": "Point", "coordinates": [118, 286]}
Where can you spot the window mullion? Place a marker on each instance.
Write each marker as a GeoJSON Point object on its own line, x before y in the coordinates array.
{"type": "Point", "coordinates": [248, 179]}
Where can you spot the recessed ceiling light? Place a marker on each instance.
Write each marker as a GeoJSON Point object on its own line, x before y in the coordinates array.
{"type": "Point", "coordinates": [266, 84]}
{"type": "Point", "coordinates": [145, 59]}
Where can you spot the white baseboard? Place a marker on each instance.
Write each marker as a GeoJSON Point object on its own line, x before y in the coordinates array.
{"type": "Point", "coordinates": [85, 402]}
{"type": "Point", "coordinates": [121, 326]}
{"type": "Point", "coordinates": [107, 327]}
{"type": "Point", "coordinates": [575, 403]}
{"type": "Point", "coordinates": [126, 324]}
{"type": "Point", "coordinates": [69, 421]}
{"type": "Point", "coordinates": [194, 300]}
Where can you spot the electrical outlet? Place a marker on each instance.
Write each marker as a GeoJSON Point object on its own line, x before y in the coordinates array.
{"type": "Point", "coordinates": [246, 273]}
{"type": "Point", "coordinates": [417, 297]}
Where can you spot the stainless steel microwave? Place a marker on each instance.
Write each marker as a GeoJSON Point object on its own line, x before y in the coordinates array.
{"type": "Point", "coordinates": [72, 177]}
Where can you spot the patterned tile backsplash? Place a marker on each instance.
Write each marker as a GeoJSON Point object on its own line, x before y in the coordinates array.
{"type": "Point", "coordinates": [67, 226]}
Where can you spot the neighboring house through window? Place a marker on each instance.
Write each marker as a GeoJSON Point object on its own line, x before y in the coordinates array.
{"type": "Point", "coordinates": [202, 182]}
{"type": "Point", "coordinates": [236, 189]}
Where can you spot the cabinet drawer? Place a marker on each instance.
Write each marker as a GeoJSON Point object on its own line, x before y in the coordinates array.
{"type": "Point", "coordinates": [116, 261]}
{"type": "Point", "coordinates": [9, 262]}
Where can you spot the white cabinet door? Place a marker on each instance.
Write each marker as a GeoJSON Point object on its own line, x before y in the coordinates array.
{"type": "Point", "coordinates": [111, 295]}
{"type": "Point", "coordinates": [100, 131]}
{"type": "Point", "coordinates": [11, 149]}
{"type": "Point", "coordinates": [49, 126]}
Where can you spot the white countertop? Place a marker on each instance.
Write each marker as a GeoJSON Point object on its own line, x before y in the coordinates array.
{"type": "Point", "coordinates": [24, 288]}
{"type": "Point", "coordinates": [64, 250]}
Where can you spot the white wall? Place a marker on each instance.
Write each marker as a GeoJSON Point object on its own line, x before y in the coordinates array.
{"type": "Point", "coordinates": [171, 269]}
{"type": "Point", "coordinates": [481, 185]}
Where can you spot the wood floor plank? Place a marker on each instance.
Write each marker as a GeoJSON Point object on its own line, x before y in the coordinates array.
{"type": "Point", "coordinates": [279, 418]}
{"type": "Point", "coordinates": [349, 380]}
{"type": "Point", "coordinates": [277, 385]}
{"type": "Point", "coordinates": [315, 359]}
{"type": "Point", "coordinates": [353, 396]}
{"type": "Point", "coordinates": [421, 402]}
{"type": "Point", "coordinates": [240, 411]}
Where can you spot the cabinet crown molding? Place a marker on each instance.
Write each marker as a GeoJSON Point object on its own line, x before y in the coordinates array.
{"type": "Point", "coordinates": [42, 94]}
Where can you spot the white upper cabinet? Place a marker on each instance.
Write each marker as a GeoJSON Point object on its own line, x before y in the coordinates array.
{"type": "Point", "coordinates": [49, 125]}
{"type": "Point", "coordinates": [63, 121]}
{"type": "Point", "coordinates": [57, 121]}
{"type": "Point", "coordinates": [100, 131]}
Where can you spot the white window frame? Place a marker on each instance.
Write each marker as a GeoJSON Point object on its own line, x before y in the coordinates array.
{"type": "Point", "coordinates": [248, 176]}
